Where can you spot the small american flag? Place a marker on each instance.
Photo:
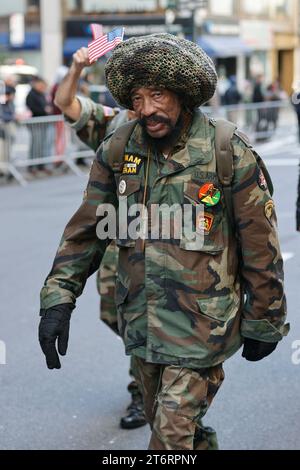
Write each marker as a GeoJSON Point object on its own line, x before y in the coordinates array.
{"type": "Point", "coordinates": [105, 44]}
{"type": "Point", "coordinates": [97, 30]}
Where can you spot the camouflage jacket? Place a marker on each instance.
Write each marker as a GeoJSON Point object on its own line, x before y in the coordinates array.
{"type": "Point", "coordinates": [179, 304]}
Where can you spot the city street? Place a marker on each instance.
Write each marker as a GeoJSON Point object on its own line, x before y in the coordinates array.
{"type": "Point", "coordinates": [79, 406]}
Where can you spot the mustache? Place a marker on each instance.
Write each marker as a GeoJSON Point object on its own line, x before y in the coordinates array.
{"type": "Point", "coordinates": [154, 118]}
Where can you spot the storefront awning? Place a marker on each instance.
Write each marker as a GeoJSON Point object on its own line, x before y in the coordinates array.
{"type": "Point", "coordinates": [32, 40]}
{"type": "Point", "coordinates": [223, 46]}
{"type": "Point", "coordinates": [72, 44]}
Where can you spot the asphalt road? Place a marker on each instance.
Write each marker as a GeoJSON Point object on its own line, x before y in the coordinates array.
{"type": "Point", "coordinates": [79, 407]}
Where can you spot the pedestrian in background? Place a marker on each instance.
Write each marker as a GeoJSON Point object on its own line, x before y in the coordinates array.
{"type": "Point", "coordinates": [39, 107]}
{"type": "Point", "coordinates": [60, 138]}
{"type": "Point", "coordinates": [232, 97]}
{"type": "Point", "coordinates": [259, 97]}
{"type": "Point", "coordinates": [273, 93]}
{"type": "Point", "coordinates": [7, 126]}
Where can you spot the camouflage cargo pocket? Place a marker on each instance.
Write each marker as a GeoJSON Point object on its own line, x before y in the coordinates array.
{"type": "Point", "coordinates": [129, 313]}
{"type": "Point", "coordinates": [220, 308]}
{"type": "Point", "coordinates": [212, 240]}
{"type": "Point", "coordinates": [183, 392]}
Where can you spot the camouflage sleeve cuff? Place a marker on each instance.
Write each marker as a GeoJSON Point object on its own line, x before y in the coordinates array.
{"type": "Point", "coordinates": [57, 297]}
{"type": "Point", "coordinates": [88, 108]}
{"type": "Point", "coordinates": [263, 330]}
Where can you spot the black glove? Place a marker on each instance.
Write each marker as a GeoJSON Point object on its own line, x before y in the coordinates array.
{"type": "Point", "coordinates": [256, 350]}
{"type": "Point", "coordinates": [55, 324]}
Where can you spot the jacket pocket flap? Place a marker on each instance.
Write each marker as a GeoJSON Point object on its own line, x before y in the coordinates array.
{"type": "Point", "coordinates": [221, 307]}
{"type": "Point", "coordinates": [121, 292]}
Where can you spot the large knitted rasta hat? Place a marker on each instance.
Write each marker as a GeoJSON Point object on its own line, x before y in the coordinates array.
{"type": "Point", "coordinates": [161, 60]}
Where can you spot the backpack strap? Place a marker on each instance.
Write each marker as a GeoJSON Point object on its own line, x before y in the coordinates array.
{"type": "Point", "coordinates": [119, 141]}
{"type": "Point", "coordinates": [224, 131]}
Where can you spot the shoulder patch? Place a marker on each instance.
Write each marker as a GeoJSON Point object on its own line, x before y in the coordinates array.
{"type": "Point", "coordinates": [261, 180]}
{"type": "Point", "coordinates": [132, 164]}
{"type": "Point", "coordinates": [269, 210]}
{"type": "Point", "coordinates": [108, 112]}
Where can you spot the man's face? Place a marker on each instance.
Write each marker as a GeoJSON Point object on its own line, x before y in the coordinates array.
{"type": "Point", "coordinates": [40, 86]}
{"type": "Point", "coordinates": [158, 107]}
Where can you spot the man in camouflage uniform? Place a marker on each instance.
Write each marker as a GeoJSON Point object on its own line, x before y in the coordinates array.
{"type": "Point", "coordinates": [183, 308]}
{"type": "Point", "coordinates": [90, 120]}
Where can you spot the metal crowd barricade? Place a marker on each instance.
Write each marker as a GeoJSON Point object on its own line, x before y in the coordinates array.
{"type": "Point", "coordinates": [259, 121]}
{"type": "Point", "coordinates": [44, 141]}
{"type": "Point", "coordinates": [7, 134]}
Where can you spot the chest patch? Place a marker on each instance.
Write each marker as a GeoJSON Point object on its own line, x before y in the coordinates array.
{"type": "Point", "coordinates": [204, 223]}
{"type": "Point", "coordinates": [203, 176]}
{"type": "Point", "coordinates": [131, 164]}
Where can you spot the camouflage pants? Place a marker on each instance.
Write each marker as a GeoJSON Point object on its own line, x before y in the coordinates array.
{"type": "Point", "coordinates": [175, 400]}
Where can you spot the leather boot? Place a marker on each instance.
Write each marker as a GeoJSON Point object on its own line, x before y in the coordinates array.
{"type": "Point", "coordinates": [135, 417]}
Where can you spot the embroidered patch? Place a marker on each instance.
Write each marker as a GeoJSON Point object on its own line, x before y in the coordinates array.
{"type": "Point", "coordinates": [108, 112]}
{"type": "Point", "coordinates": [131, 164]}
{"type": "Point", "coordinates": [269, 209]}
{"type": "Point", "coordinates": [205, 176]}
{"type": "Point", "coordinates": [262, 181]}
{"type": "Point", "coordinates": [204, 223]}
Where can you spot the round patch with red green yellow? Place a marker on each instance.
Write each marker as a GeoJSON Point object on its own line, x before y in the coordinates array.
{"type": "Point", "coordinates": [209, 195]}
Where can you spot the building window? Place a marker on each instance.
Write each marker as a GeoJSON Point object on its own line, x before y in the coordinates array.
{"type": "Point", "coordinates": [74, 6]}
{"type": "Point", "coordinates": [283, 7]}
{"type": "Point", "coordinates": [110, 6]}
{"type": "Point", "coordinates": [256, 8]}
{"type": "Point", "coordinates": [33, 5]}
{"type": "Point", "coordinates": [224, 8]}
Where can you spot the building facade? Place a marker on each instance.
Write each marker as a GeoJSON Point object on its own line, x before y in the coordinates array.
{"type": "Point", "coordinates": [244, 38]}
{"type": "Point", "coordinates": [20, 32]}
